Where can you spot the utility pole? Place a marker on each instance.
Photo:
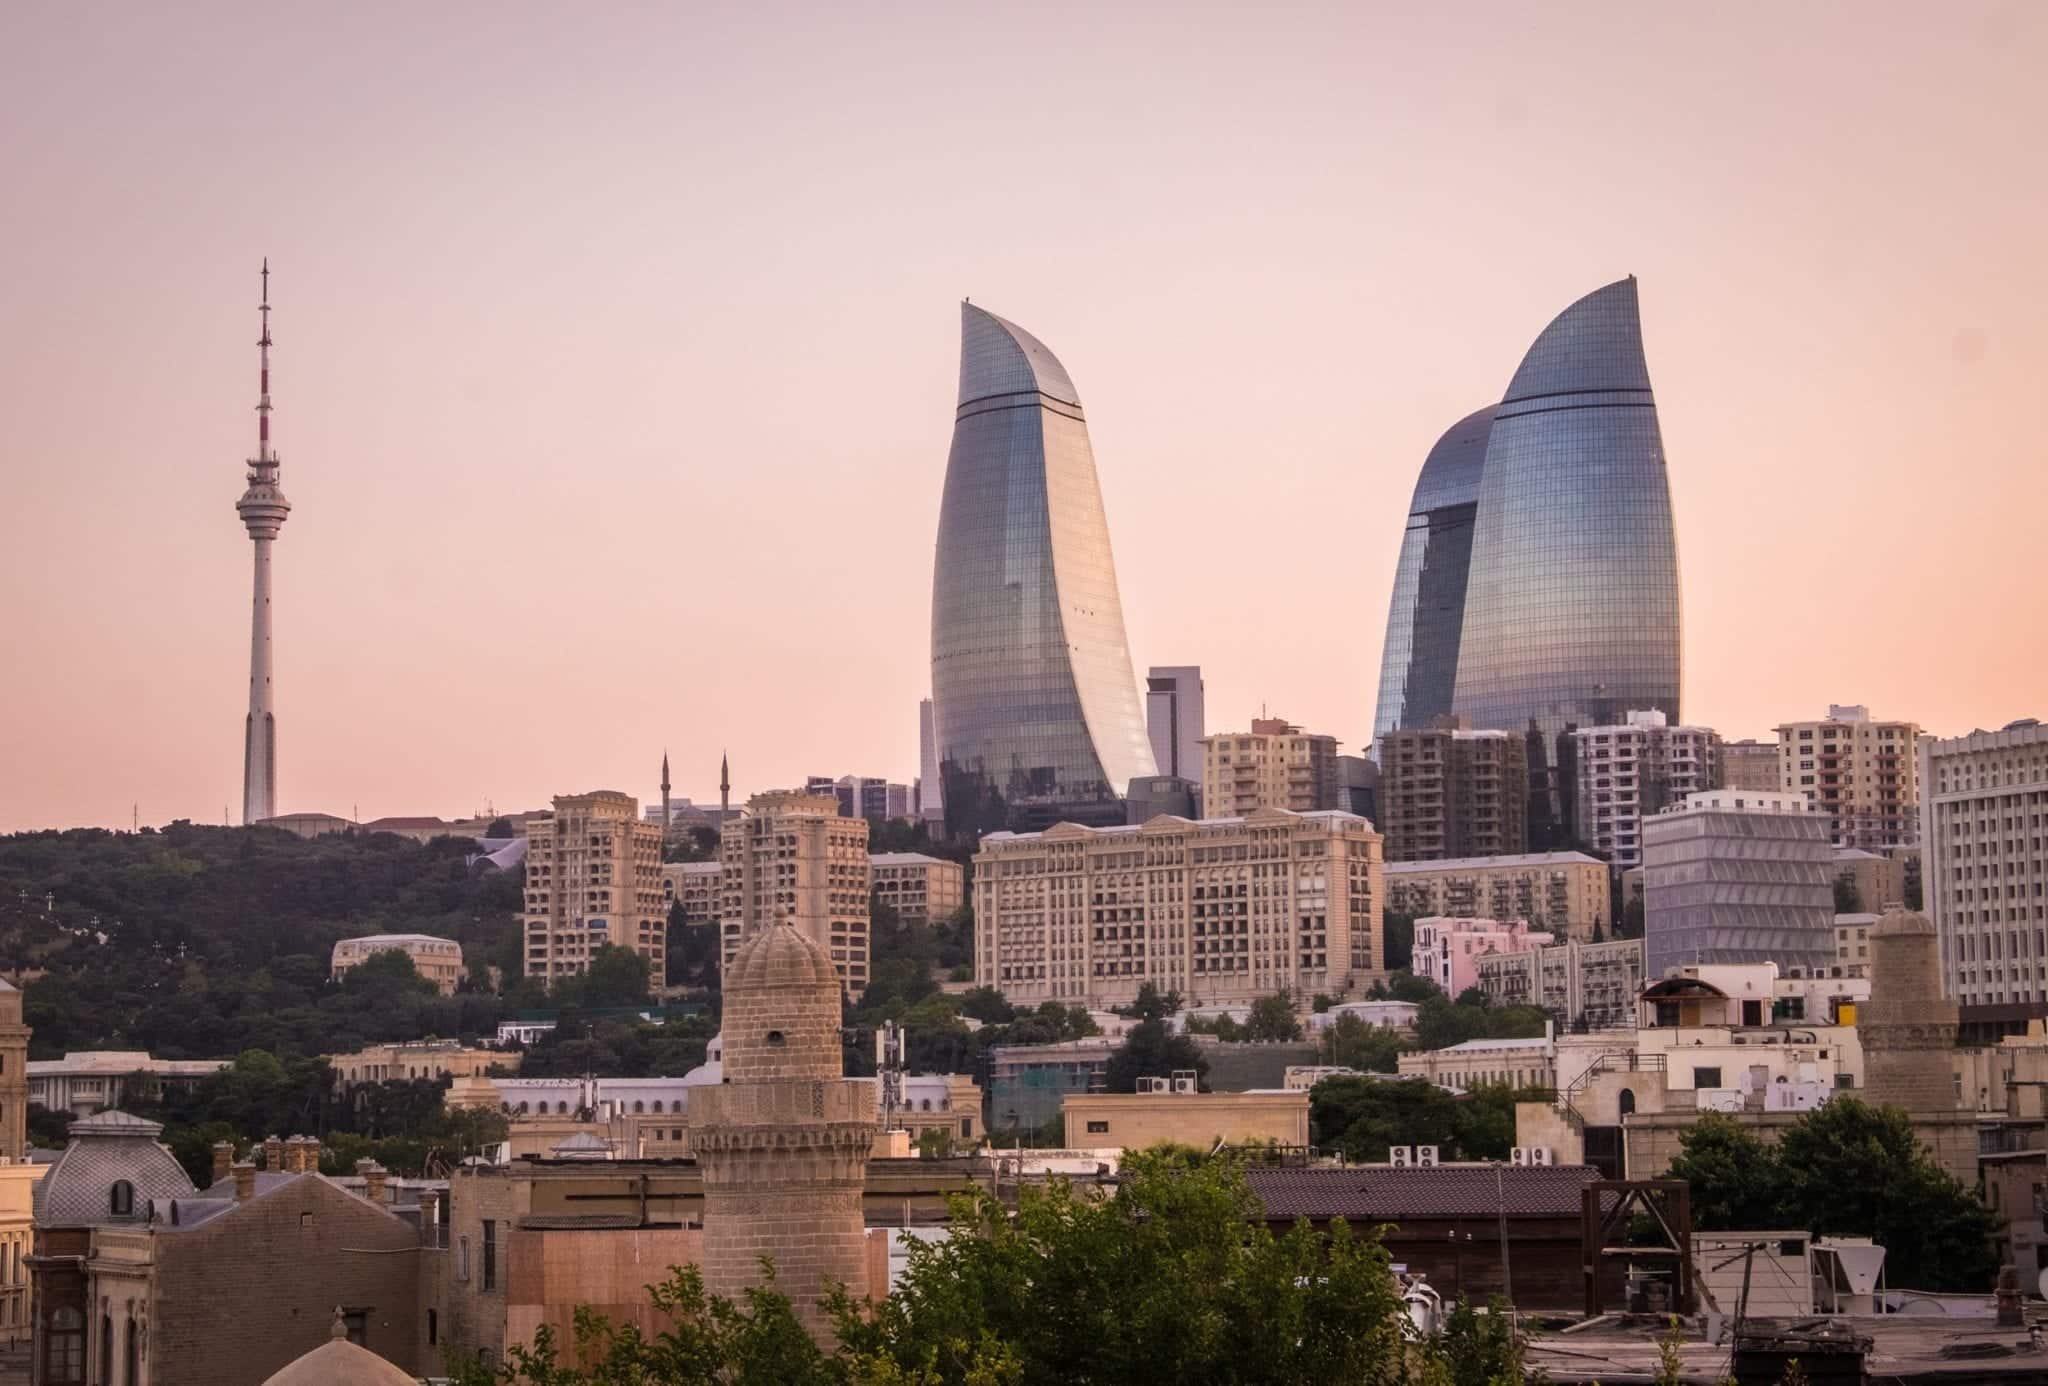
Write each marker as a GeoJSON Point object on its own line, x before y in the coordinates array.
{"type": "Point", "coordinates": [1507, 1269]}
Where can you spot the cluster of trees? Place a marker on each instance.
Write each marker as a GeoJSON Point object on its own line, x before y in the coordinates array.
{"type": "Point", "coordinates": [609, 1048]}
{"type": "Point", "coordinates": [1844, 1168]}
{"type": "Point", "coordinates": [198, 941]}
{"type": "Point", "coordinates": [1176, 1278]}
{"type": "Point", "coordinates": [1361, 1117]}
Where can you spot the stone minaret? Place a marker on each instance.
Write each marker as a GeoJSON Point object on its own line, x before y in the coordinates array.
{"type": "Point", "coordinates": [262, 508]}
{"type": "Point", "coordinates": [667, 821]}
{"type": "Point", "coordinates": [1908, 1027]}
{"type": "Point", "coordinates": [783, 1140]}
{"type": "Point", "coordinates": [724, 790]}
{"type": "Point", "coordinates": [13, 1075]}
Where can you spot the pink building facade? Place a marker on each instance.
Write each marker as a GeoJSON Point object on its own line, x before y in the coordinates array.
{"type": "Point", "coordinates": [1447, 951]}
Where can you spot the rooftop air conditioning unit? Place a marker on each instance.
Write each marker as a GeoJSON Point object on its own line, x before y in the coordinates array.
{"type": "Point", "coordinates": [1519, 1155]}
{"type": "Point", "coordinates": [1184, 1085]}
{"type": "Point", "coordinates": [1425, 1155]}
{"type": "Point", "coordinates": [1540, 1155]}
{"type": "Point", "coordinates": [1400, 1156]}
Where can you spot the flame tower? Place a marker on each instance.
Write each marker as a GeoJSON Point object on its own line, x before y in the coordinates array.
{"type": "Point", "coordinates": [263, 509]}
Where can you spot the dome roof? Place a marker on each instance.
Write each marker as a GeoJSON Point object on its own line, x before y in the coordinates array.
{"type": "Point", "coordinates": [779, 956]}
{"type": "Point", "coordinates": [1902, 921]}
{"type": "Point", "coordinates": [338, 1362]}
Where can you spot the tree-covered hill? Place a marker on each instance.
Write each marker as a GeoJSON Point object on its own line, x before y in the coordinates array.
{"type": "Point", "coordinates": [204, 941]}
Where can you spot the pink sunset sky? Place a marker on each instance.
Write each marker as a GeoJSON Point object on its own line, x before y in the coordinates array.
{"type": "Point", "coordinates": [616, 351]}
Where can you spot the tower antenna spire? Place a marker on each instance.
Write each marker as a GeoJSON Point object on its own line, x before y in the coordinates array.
{"type": "Point", "coordinates": [263, 509]}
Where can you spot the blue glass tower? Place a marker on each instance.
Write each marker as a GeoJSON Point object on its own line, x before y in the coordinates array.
{"type": "Point", "coordinates": [1571, 609]}
{"type": "Point", "coordinates": [1035, 703]}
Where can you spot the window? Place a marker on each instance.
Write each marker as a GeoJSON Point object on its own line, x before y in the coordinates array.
{"type": "Point", "coordinates": [490, 1254]}
{"type": "Point", "coordinates": [356, 1323]}
{"type": "Point", "coordinates": [64, 1347]}
{"type": "Point", "coordinates": [433, 1327]}
{"type": "Point", "coordinates": [121, 1199]}
{"type": "Point", "coordinates": [1098, 1128]}
{"type": "Point", "coordinates": [462, 1262]}
{"type": "Point", "coordinates": [1701, 1078]}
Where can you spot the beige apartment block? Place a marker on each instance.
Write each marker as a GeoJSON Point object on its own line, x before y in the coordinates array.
{"type": "Point", "coordinates": [1447, 793]}
{"type": "Point", "coordinates": [1277, 765]}
{"type": "Point", "coordinates": [1219, 910]}
{"type": "Point", "coordinates": [1562, 893]}
{"type": "Point", "coordinates": [1749, 764]}
{"type": "Point", "coordinates": [1984, 871]}
{"type": "Point", "coordinates": [1137, 1120]}
{"type": "Point", "coordinates": [1590, 985]}
{"type": "Point", "coordinates": [699, 885]}
{"type": "Point", "coordinates": [593, 877]}
{"type": "Point", "coordinates": [922, 890]}
{"type": "Point", "coordinates": [792, 856]}
{"type": "Point", "coordinates": [438, 960]}
{"type": "Point", "coordinates": [1635, 769]}
{"type": "Point", "coordinates": [1880, 882]}
{"type": "Point", "coordinates": [1864, 775]}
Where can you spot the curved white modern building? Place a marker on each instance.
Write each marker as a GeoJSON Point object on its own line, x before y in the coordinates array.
{"type": "Point", "coordinates": [1035, 702]}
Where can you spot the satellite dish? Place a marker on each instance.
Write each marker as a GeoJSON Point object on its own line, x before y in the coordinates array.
{"type": "Point", "coordinates": [2042, 1281]}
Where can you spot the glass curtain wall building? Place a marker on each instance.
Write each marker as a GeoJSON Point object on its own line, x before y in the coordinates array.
{"type": "Point", "coordinates": [1035, 703]}
{"type": "Point", "coordinates": [1561, 608]}
{"type": "Point", "coordinates": [1426, 622]}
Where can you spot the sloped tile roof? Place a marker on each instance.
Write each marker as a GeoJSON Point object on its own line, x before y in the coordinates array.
{"type": "Point", "coordinates": [1380, 1193]}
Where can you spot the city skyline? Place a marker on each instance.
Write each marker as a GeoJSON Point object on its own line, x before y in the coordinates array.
{"type": "Point", "coordinates": [700, 420]}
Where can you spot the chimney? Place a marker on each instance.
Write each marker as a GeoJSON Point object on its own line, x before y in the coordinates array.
{"type": "Point", "coordinates": [305, 1156]}
{"type": "Point", "coordinates": [223, 1161]}
{"type": "Point", "coordinates": [374, 1181]}
{"type": "Point", "coordinates": [245, 1181]}
{"type": "Point", "coordinates": [273, 1154]}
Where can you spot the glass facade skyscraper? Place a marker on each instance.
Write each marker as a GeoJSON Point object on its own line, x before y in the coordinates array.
{"type": "Point", "coordinates": [1426, 622]}
{"type": "Point", "coordinates": [1537, 587]}
{"type": "Point", "coordinates": [1571, 610]}
{"type": "Point", "coordinates": [1035, 702]}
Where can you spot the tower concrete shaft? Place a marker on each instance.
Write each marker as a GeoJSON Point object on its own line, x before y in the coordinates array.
{"type": "Point", "coordinates": [263, 509]}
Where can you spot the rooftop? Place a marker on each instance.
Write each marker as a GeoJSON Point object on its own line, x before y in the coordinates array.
{"type": "Point", "coordinates": [394, 940]}
{"type": "Point", "coordinates": [1385, 1193]}
{"type": "Point", "coordinates": [905, 859]}
{"type": "Point", "coordinates": [1470, 863]}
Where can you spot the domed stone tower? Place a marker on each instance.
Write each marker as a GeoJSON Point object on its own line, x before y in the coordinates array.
{"type": "Point", "coordinates": [783, 1140]}
{"type": "Point", "coordinates": [1907, 1027]}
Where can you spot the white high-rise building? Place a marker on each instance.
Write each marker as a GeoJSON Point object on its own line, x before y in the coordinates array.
{"type": "Point", "coordinates": [263, 509]}
{"type": "Point", "coordinates": [1630, 771]}
{"type": "Point", "coordinates": [1173, 717]}
{"type": "Point", "coordinates": [1984, 861]}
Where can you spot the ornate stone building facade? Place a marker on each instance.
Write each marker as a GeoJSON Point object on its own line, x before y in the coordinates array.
{"type": "Point", "coordinates": [13, 1076]}
{"type": "Point", "coordinates": [783, 1141]}
{"type": "Point", "coordinates": [1908, 1027]}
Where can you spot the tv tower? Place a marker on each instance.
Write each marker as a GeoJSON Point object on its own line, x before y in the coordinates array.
{"type": "Point", "coordinates": [263, 509]}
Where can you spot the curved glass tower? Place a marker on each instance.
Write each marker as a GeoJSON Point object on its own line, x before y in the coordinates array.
{"type": "Point", "coordinates": [1035, 703]}
{"type": "Point", "coordinates": [1571, 607]}
{"type": "Point", "coordinates": [1426, 619]}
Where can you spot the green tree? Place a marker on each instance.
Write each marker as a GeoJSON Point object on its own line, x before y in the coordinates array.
{"type": "Point", "coordinates": [1152, 1003]}
{"type": "Point", "coordinates": [1400, 935]}
{"type": "Point", "coordinates": [1847, 899]}
{"type": "Point", "coordinates": [1736, 1179]}
{"type": "Point", "coordinates": [987, 1005]}
{"type": "Point", "coordinates": [1351, 1043]}
{"type": "Point", "coordinates": [1149, 1051]}
{"type": "Point", "coordinates": [1911, 888]}
{"type": "Point", "coordinates": [1272, 1018]}
{"type": "Point", "coordinates": [615, 977]}
{"type": "Point", "coordinates": [1363, 1116]}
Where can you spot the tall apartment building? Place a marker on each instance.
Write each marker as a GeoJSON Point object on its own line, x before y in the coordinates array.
{"type": "Point", "coordinates": [1984, 862]}
{"type": "Point", "coordinates": [1738, 877]}
{"type": "Point", "coordinates": [922, 890]}
{"type": "Point", "coordinates": [1219, 910]}
{"type": "Point", "coordinates": [1562, 893]}
{"type": "Point", "coordinates": [1173, 719]}
{"type": "Point", "coordinates": [593, 876]}
{"type": "Point", "coordinates": [1631, 771]}
{"type": "Point", "coordinates": [1863, 775]}
{"type": "Point", "coordinates": [1277, 765]}
{"type": "Point", "coordinates": [796, 855]}
{"type": "Point", "coordinates": [1749, 764]}
{"type": "Point", "coordinates": [699, 886]}
{"type": "Point", "coordinates": [930, 789]}
{"type": "Point", "coordinates": [1448, 792]}
{"type": "Point", "coordinates": [863, 796]}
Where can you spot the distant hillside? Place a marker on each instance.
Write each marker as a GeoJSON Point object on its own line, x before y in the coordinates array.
{"type": "Point", "coordinates": [204, 941]}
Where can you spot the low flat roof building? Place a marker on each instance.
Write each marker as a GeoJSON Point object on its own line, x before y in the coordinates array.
{"type": "Point", "coordinates": [92, 1080]}
{"type": "Point", "coordinates": [1136, 1120]}
{"type": "Point", "coordinates": [438, 960]}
